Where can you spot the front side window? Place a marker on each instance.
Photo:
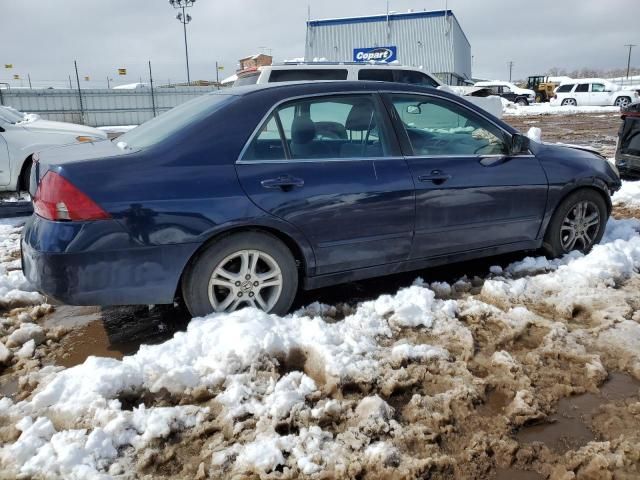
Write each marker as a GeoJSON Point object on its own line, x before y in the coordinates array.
{"type": "Point", "coordinates": [506, 90]}
{"type": "Point", "coordinates": [597, 87]}
{"type": "Point", "coordinates": [565, 88]}
{"type": "Point", "coordinates": [345, 126]}
{"type": "Point", "coordinates": [437, 127]}
{"type": "Point", "coordinates": [582, 88]}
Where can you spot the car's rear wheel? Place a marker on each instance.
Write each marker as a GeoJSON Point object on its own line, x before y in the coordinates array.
{"type": "Point", "coordinates": [622, 102]}
{"type": "Point", "coordinates": [571, 102]}
{"type": "Point", "coordinates": [577, 224]}
{"type": "Point", "coordinates": [248, 269]}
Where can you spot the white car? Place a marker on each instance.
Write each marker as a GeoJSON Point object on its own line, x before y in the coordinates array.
{"type": "Point", "coordinates": [593, 91]}
{"type": "Point", "coordinates": [509, 91]}
{"type": "Point", "coordinates": [383, 72]}
{"type": "Point", "coordinates": [22, 135]}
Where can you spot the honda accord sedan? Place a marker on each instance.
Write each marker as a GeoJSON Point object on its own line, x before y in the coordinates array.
{"type": "Point", "coordinates": [241, 197]}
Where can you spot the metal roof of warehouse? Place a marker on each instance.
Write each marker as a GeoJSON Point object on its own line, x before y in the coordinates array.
{"type": "Point", "coordinates": [380, 18]}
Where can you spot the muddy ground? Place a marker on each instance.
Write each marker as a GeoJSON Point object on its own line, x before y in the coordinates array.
{"type": "Point", "coordinates": [540, 399]}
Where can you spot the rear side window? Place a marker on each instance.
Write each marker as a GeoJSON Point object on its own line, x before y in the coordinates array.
{"type": "Point", "coordinates": [565, 88]}
{"type": "Point", "coordinates": [377, 74]}
{"type": "Point", "coordinates": [415, 78]}
{"type": "Point", "coordinates": [250, 79]}
{"type": "Point", "coordinates": [343, 126]}
{"type": "Point", "coordinates": [582, 87]}
{"type": "Point", "coordinates": [307, 74]}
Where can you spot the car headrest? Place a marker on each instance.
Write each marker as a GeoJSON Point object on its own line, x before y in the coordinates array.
{"type": "Point", "coordinates": [303, 130]}
{"type": "Point", "coordinates": [361, 118]}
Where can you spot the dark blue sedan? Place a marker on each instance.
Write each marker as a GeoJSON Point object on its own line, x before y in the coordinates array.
{"type": "Point", "coordinates": [240, 197]}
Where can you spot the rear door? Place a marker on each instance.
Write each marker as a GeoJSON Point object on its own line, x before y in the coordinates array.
{"type": "Point", "coordinates": [331, 166]}
{"type": "Point", "coordinates": [470, 194]}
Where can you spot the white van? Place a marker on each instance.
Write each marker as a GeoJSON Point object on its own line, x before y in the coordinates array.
{"type": "Point", "coordinates": [384, 72]}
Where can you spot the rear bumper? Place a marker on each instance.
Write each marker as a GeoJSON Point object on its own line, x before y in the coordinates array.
{"type": "Point", "coordinates": [104, 271]}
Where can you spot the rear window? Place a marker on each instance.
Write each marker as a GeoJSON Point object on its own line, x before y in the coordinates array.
{"type": "Point", "coordinates": [380, 75]}
{"type": "Point", "coordinates": [415, 78]}
{"type": "Point", "coordinates": [249, 79]}
{"type": "Point", "coordinates": [171, 122]}
{"type": "Point", "coordinates": [565, 88]}
{"type": "Point", "coordinates": [582, 87]}
{"type": "Point", "coordinates": [291, 75]}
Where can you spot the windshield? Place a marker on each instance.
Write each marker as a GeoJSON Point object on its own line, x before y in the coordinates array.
{"type": "Point", "coordinates": [247, 80]}
{"type": "Point", "coordinates": [176, 119]}
{"type": "Point", "coordinates": [11, 115]}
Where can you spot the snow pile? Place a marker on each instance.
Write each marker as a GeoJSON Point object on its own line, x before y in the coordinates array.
{"type": "Point", "coordinates": [511, 109]}
{"type": "Point", "coordinates": [608, 264]}
{"type": "Point", "coordinates": [14, 288]}
{"type": "Point", "coordinates": [217, 354]}
{"type": "Point", "coordinates": [628, 195]}
{"type": "Point", "coordinates": [535, 134]}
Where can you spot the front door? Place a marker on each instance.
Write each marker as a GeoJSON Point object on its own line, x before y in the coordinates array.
{"type": "Point", "coordinates": [470, 194]}
{"type": "Point", "coordinates": [331, 166]}
{"type": "Point", "coordinates": [599, 95]}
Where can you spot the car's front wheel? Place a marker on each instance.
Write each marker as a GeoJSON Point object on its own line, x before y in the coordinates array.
{"type": "Point", "coordinates": [248, 269]}
{"type": "Point", "coordinates": [570, 102]}
{"type": "Point", "coordinates": [577, 224]}
{"type": "Point", "coordinates": [522, 102]}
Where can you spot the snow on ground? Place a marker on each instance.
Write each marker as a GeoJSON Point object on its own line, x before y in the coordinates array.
{"type": "Point", "coordinates": [390, 386]}
{"type": "Point", "coordinates": [511, 109]}
{"type": "Point", "coordinates": [628, 195]}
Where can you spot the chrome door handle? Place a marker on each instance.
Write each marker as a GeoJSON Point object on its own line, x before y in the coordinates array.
{"type": "Point", "coordinates": [283, 182]}
{"type": "Point", "coordinates": [438, 177]}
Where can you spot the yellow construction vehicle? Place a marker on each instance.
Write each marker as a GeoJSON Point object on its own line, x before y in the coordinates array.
{"type": "Point", "coordinates": [542, 86]}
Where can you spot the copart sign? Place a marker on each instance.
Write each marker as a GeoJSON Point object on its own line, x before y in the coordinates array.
{"type": "Point", "coordinates": [375, 54]}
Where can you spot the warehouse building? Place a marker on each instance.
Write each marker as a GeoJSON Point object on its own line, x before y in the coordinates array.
{"type": "Point", "coordinates": [433, 41]}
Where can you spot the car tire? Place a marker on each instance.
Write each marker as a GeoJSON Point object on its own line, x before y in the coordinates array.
{"type": "Point", "coordinates": [622, 102]}
{"type": "Point", "coordinates": [522, 102]}
{"type": "Point", "coordinates": [235, 268]}
{"type": "Point", "coordinates": [575, 215]}
{"type": "Point", "coordinates": [570, 102]}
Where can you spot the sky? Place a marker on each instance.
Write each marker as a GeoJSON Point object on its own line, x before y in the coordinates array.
{"type": "Point", "coordinates": [42, 38]}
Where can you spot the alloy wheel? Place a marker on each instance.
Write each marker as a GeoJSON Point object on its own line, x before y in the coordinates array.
{"type": "Point", "coordinates": [580, 226]}
{"type": "Point", "coordinates": [622, 102]}
{"type": "Point", "coordinates": [245, 278]}
{"type": "Point", "coordinates": [570, 102]}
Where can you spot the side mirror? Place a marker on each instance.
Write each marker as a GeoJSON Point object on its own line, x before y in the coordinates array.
{"type": "Point", "coordinates": [519, 144]}
{"type": "Point", "coordinates": [414, 110]}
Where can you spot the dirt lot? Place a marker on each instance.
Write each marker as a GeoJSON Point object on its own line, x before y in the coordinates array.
{"type": "Point", "coordinates": [526, 377]}
{"type": "Point", "coordinates": [595, 130]}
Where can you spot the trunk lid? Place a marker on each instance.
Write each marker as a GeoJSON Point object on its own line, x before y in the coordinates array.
{"type": "Point", "coordinates": [79, 152]}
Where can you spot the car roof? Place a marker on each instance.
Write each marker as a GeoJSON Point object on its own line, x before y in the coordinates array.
{"type": "Point", "coordinates": [325, 86]}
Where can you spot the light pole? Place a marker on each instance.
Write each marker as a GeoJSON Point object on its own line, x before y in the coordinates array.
{"type": "Point", "coordinates": [184, 18]}
{"type": "Point", "coordinates": [629, 46]}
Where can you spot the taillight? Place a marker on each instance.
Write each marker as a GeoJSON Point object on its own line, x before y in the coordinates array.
{"type": "Point", "coordinates": [58, 199]}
